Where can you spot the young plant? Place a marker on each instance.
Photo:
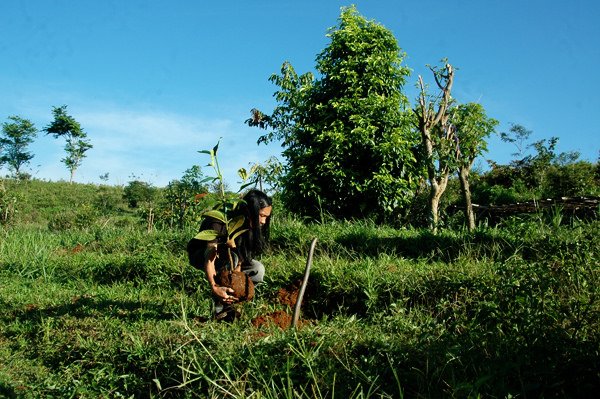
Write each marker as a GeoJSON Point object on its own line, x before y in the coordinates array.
{"type": "Point", "coordinates": [225, 203]}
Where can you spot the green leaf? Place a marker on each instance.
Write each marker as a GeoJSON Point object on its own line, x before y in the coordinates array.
{"type": "Point", "coordinates": [236, 235]}
{"type": "Point", "coordinates": [243, 186]}
{"type": "Point", "coordinates": [235, 224]}
{"type": "Point", "coordinates": [243, 174]}
{"type": "Point", "coordinates": [216, 215]}
{"type": "Point", "coordinates": [207, 235]}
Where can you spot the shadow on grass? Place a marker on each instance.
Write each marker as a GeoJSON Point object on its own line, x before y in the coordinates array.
{"type": "Point", "coordinates": [6, 391]}
{"type": "Point", "coordinates": [440, 247]}
{"type": "Point", "coordinates": [88, 306]}
{"type": "Point", "coordinates": [320, 298]}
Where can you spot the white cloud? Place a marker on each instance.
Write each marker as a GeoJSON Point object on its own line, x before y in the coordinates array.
{"type": "Point", "coordinates": [137, 141]}
{"type": "Point", "coordinates": [118, 130]}
{"type": "Point", "coordinates": [152, 146]}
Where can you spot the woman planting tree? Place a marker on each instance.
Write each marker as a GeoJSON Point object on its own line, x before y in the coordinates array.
{"type": "Point", "coordinates": [217, 255]}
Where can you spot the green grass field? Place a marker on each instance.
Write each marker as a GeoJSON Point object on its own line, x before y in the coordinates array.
{"type": "Point", "coordinates": [92, 305]}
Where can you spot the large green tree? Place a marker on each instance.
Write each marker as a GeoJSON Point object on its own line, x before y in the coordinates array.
{"type": "Point", "coordinates": [16, 137]}
{"type": "Point", "coordinates": [346, 134]}
{"type": "Point", "coordinates": [472, 128]}
{"type": "Point", "coordinates": [77, 143]}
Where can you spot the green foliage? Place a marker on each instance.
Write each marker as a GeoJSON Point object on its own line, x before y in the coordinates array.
{"type": "Point", "coordinates": [419, 212]}
{"type": "Point", "coordinates": [265, 177]}
{"type": "Point", "coordinates": [571, 180]}
{"type": "Point", "coordinates": [224, 203]}
{"type": "Point", "coordinates": [80, 218]}
{"type": "Point", "coordinates": [138, 192]}
{"type": "Point", "coordinates": [17, 135]}
{"type": "Point", "coordinates": [8, 201]}
{"type": "Point", "coordinates": [472, 128]}
{"type": "Point", "coordinates": [541, 174]}
{"type": "Point", "coordinates": [115, 311]}
{"type": "Point", "coordinates": [346, 136]}
{"type": "Point", "coordinates": [107, 200]}
{"type": "Point", "coordinates": [183, 200]}
{"type": "Point", "coordinates": [77, 143]}
{"type": "Point", "coordinates": [223, 200]}
{"type": "Point", "coordinates": [38, 202]}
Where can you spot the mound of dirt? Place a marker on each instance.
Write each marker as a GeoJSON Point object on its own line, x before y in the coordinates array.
{"type": "Point", "coordinates": [289, 295]}
{"type": "Point", "coordinates": [243, 287]}
{"type": "Point", "coordinates": [279, 318]}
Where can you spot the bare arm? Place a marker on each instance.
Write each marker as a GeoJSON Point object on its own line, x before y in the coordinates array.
{"type": "Point", "coordinates": [209, 268]}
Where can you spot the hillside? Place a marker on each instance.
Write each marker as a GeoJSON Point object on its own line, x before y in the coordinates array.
{"type": "Point", "coordinates": [108, 308]}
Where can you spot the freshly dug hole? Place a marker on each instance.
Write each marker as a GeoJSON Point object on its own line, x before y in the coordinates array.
{"type": "Point", "coordinates": [243, 287]}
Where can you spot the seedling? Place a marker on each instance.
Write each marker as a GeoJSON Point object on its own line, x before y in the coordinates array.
{"type": "Point", "coordinates": [234, 227]}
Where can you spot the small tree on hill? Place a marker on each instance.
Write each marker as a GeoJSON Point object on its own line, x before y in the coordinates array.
{"type": "Point", "coordinates": [77, 143]}
{"type": "Point", "coordinates": [532, 169]}
{"type": "Point", "coordinates": [16, 136]}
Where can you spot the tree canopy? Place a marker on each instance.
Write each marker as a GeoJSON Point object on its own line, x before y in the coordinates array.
{"type": "Point", "coordinates": [346, 133]}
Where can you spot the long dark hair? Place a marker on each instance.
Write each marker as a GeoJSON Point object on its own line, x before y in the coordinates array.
{"type": "Point", "coordinates": [255, 239]}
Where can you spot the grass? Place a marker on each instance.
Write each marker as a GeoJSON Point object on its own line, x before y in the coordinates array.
{"type": "Point", "coordinates": [108, 309]}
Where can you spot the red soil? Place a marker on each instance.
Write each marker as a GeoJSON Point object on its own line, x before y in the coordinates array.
{"type": "Point", "coordinates": [282, 319]}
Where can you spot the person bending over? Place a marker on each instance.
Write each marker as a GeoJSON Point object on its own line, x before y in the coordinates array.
{"type": "Point", "coordinates": [256, 208]}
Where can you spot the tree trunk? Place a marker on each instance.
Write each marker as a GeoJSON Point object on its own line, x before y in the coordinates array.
{"type": "Point", "coordinates": [429, 118]}
{"type": "Point", "coordinates": [434, 204]}
{"type": "Point", "coordinates": [463, 175]}
{"type": "Point", "coordinates": [435, 194]}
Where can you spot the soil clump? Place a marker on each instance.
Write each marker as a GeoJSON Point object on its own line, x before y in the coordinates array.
{"type": "Point", "coordinates": [242, 285]}
{"type": "Point", "coordinates": [289, 295]}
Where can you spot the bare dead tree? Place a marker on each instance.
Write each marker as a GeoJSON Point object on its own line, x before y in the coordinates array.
{"type": "Point", "coordinates": [437, 136]}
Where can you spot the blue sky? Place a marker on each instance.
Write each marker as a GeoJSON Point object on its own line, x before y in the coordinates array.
{"type": "Point", "coordinates": [152, 82]}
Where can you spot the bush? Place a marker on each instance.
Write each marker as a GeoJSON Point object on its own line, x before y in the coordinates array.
{"type": "Point", "coordinates": [108, 199]}
{"type": "Point", "coordinates": [137, 192]}
{"type": "Point", "coordinates": [81, 218]}
{"type": "Point", "coordinates": [573, 180]}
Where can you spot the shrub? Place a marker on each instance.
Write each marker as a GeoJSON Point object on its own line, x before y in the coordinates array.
{"type": "Point", "coordinates": [81, 218]}
{"type": "Point", "coordinates": [573, 180]}
{"type": "Point", "coordinates": [107, 199]}
{"type": "Point", "coordinates": [137, 192]}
